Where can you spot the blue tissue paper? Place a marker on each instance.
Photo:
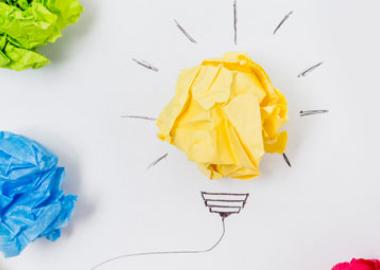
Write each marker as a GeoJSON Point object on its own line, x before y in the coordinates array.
{"type": "Point", "coordinates": [32, 203]}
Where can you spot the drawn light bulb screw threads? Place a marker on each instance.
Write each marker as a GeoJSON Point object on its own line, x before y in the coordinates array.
{"type": "Point", "coordinates": [225, 204]}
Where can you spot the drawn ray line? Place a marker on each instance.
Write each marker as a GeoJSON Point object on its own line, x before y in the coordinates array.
{"type": "Point", "coordinates": [310, 69]}
{"type": "Point", "coordinates": [189, 37]}
{"type": "Point", "coordinates": [312, 112]}
{"type": "Point", "coordinates": [287, 159]}
{"type": "Point", "coordinates": [145, 64]}
{"type": "Point", "coordinates": [154, 163]}
{"type": "Point", "coordinates": [139, 117]}
{"type": "Point", "coordinates": [287, 16]}
{"type": "Point", "coordinates": [235, 21]}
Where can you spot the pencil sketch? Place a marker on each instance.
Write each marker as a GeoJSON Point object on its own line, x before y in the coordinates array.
{"type": "Point", "coordinates": [154, 163]}
{"type": "Point", "coordinates": [189, 37]}
{"type": "Point", "coordinates": [309, 70]}
{"type": "Point", "coordinates": [224, 204]}
{"type": "Point", "coordinates": [287, 16]}
{"type": "Point", "coordinates": [145, 64]}
{"type": "Point", "coordinates": [312, 112]}
{"type": "Point", "coordinates": [141, 117]}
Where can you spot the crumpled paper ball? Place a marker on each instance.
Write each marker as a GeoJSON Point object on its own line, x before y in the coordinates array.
{"type": "Point", "coordinates": [32, 203]}
{"type": "Point", "coordinates": [225, 115]}
{"type": "Point", "coordinates": [358, 264]}
{"type": "Point", "coordinates": [26, 25]}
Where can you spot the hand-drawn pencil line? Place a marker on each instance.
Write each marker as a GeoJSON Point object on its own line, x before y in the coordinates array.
{"type": "Point", "coordinates": [223, 215]}
{"type": "Point", "coordinates": [287, 16]}
{"type": "Point", "coordinates": [223, 200]}
{"type": "Point", "coordinates": [139, 117]}
{"type": "Point", "coordinates": [246, 195]}
{"type": "Point", "coordinates": [224, 210]}
{"type": "Point", "coordinates": [235, 22]}
{"type": "Point", "coordinates": [287, 159]}
{"type": "Point", "coordinates": [223, 206]}
{"type": "Point", "coordinates": [312, 112]}
{"type": "Point", "coordinates": [145, 64]}
{"type": "Point", "coordinates": [309, 70]}
{"type": "Point", "coordinates": [154, 163]}
{"type": "Point", "coordinates": [189, 37]}
{"type": "Point", "coordinates": [125, 256]}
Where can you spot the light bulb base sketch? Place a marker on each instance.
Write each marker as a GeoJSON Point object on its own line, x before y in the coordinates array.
{"type": "Point", "coordinates": [225, 204]}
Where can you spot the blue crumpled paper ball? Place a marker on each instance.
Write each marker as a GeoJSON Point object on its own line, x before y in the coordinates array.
{"type": "Point", "coordinates": [32, 203]}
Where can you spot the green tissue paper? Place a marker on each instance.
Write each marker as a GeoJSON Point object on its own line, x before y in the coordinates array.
{"type": "Point", "coordinates": [26, 25]}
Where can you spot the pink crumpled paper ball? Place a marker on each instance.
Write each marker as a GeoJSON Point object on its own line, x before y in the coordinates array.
{"type": "Point", "coordinates": [358, 264]}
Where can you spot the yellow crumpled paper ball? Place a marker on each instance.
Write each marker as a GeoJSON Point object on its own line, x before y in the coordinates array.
{"type": "Point", "coordinates": [225, 115]}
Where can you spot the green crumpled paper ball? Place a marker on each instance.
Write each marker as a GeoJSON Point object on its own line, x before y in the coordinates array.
{"type": "Point", "coordinates": [27, 24]}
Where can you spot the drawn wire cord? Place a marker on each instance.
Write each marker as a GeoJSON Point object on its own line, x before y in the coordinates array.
{"type": "Point", "coordinates": [125, 256]}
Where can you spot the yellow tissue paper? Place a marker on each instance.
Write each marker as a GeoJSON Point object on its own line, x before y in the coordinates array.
{"type": "Point", "coordinates": [225, 115]}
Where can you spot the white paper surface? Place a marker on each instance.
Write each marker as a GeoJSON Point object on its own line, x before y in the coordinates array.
{"type": "Point", "coordinates": [321, 211]}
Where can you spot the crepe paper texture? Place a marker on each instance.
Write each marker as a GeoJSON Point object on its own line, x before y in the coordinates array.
{"type": "Point", "coordinates": [358, 264]}
{"type": "Point", "coordinates": [26, 25]}
{"type": "Point", "coordinates": [225, 115]}
{"type": "Point", "coordinates": [32, 203]}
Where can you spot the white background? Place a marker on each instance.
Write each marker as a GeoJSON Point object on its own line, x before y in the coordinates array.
{"type": "Point", "coordinates": [322, 210]}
